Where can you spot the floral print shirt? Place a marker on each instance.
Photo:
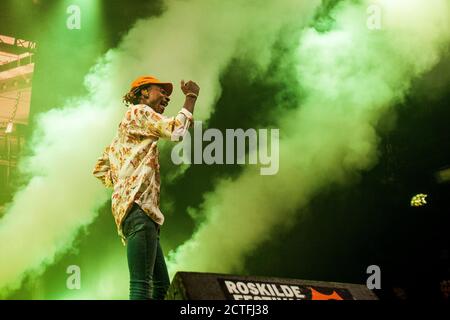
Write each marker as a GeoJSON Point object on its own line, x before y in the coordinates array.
{"type": "Point", "coordinates": [130, 164]}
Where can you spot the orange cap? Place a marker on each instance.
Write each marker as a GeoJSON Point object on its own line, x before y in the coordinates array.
{"type": "Point", "coordinates": [151, 80]}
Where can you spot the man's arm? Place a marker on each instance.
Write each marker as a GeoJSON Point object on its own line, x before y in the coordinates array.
{"type": "Point", "coordinates": [102, 169]}
{"type": "Point", "coordinates": [143, 121]}
{"type": "Point", "coordinates": [191, 91]}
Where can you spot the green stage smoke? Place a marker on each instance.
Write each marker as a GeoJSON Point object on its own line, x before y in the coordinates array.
{"type": "Point", "coordinates": [350, 73]}
{"type": "Point", "coordinates": [190, 40]}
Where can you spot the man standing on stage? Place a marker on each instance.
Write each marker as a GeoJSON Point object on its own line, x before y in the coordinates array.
{"type": "Point", "coordinates": [130, 164]}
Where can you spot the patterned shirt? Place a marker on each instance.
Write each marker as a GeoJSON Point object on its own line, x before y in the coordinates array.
{"type": "Point", "coordinates": [130, 164]}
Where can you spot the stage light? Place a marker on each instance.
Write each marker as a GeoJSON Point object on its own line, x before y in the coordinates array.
{"type": "Point", "coordinates": [419, 200]}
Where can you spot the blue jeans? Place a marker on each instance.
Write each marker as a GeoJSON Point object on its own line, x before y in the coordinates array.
{"type": "Point", "coordinates": [149, 278]}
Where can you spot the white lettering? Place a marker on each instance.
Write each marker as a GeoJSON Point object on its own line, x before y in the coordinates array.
{"type": "Point", "coordinates": [287, 291]}
{"type": "Point", "coordinates": [252, 287]}
{"type": "Point", "coordinates": [74, 20]}
{"type": "Point", "coordinates": [242, 287]}
{"type": "Point", "coordinates": [374, 19]}
{"type": "Point", "coordinates": [374, 281]}
{"type": "Point", "coordinates": [231, 286]}
{"type": "Point", "coordinates": [216, 146]}
{"type": "Point", "coordinates": [273, 160]}
{"type": "Point", "coordinates": [213, 152]}
{"type": "Point", "coordinates": [74, 280]}
{"type": "Point", "coordinates": [262, 290]}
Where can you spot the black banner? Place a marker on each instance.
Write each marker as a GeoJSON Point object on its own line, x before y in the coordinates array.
{"type": "Point", "coordinates": [257, 290]}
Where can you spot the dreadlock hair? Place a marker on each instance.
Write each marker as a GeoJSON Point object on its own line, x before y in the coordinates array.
{"type": "Point", "coordinates": [134, 96]}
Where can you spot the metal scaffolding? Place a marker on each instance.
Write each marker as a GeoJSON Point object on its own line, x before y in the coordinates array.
{"type": "Point", "coordinates": [16, 71]}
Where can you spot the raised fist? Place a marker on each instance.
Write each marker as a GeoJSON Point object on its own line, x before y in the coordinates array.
{"type": "Point", "coordinates": [190, 87]}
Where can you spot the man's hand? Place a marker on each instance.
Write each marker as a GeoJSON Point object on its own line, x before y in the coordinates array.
{"type": "Point", "coordinates": [190, 87]}
{"type": "Point", "coordinates": [191, 90]}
